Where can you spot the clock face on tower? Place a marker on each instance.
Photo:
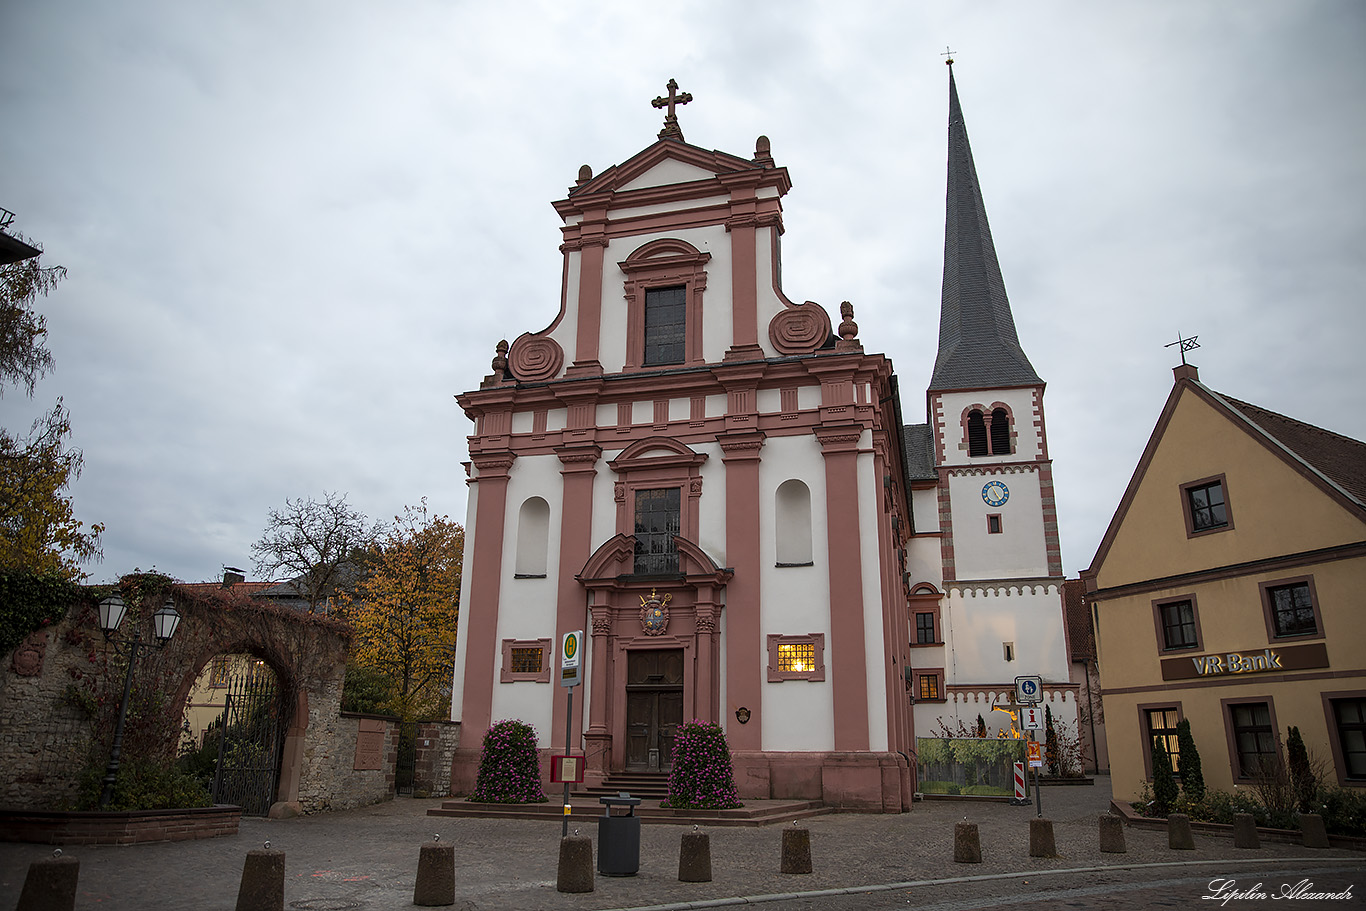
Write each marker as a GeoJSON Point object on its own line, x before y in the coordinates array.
{"type": "Point", "coordinates": [995, 493]}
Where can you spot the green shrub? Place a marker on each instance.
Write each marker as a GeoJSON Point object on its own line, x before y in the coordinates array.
{"type": "Point", "coordinates": [986, 790]}
{"type": "Point", "coordinates": [509, 770]}
{"type": "Point", "coordinates": [143, 785]}
{"type": "Point", "coordinates": [1164, 784]}
{"type": "Point", "coordinates": [1192, 778]}
{"type": "Point", "coordinates": [702, 776]}
{"type": "Point", "coordinates": [366, 690]}
{"type": "Point", "coordinates": [1302, 780]}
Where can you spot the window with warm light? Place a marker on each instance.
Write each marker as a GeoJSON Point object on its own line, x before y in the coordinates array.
{"type": "Point", "coordinates": [796, 657]}
{"type": "Point", "coordinates": [527, 660]}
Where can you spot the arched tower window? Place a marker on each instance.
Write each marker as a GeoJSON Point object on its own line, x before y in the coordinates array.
{"type": "Point", "coordinates": [1000, 432]}
{"type": "Point", "coordinates": [977, 434]}
{"type": "Point", "coordinates": [533, 537]}
{"type": "Point", "coordinates": [792, 526]}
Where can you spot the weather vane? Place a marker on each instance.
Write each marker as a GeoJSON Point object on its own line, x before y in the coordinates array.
{"type": "Point", "coordinates": [948, 54]}
{"type": "Point", "coordinates": [1187, 344]}
{"type": "Point", "coordinates": [671, 129]}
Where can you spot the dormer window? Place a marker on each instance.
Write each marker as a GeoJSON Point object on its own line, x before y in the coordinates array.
{"type": "Point", "coordinates": [665, 325]}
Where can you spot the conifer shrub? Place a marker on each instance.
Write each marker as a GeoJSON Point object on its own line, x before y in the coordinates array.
{"type": "Point", "coordinates": [1192, 778]}
{"type": "Point", "coordinates": [702, 777]}
{"type": "Point", "coordinates": [1052, 756]}
{"type": "Point", "coordinates": [981, 727]}
{"type": "Point", "coordinates": [1303, 782]}
{"type": "Point", "coordinates": [509, 771]}
{"type": "Point", "coordinates": [1164, 783]}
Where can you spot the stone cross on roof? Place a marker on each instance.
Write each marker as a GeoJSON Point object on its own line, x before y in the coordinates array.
{"type": "Point", "coordinates": [671, 129]}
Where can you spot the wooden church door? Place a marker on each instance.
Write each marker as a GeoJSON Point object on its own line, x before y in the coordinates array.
{"type": "Point", "coordinates": [654, 708]}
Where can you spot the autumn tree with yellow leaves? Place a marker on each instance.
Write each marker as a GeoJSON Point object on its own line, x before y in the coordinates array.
{"type": "Point", "coordinates": [404, 611]}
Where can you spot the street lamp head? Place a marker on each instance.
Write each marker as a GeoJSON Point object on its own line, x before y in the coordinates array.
{"type": "Point", "coordinates": [112, 610]}
{"type": "Point", "coordinates": [165, 621]}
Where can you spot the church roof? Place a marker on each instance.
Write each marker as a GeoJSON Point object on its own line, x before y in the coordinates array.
{"type": "Point", "coordinates": [978, 346]}
{"type": "Point", "coordinates": [918, 452]}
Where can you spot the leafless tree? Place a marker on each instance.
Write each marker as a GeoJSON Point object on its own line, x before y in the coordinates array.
{"type": "Point", "coordinates": [313, 542]}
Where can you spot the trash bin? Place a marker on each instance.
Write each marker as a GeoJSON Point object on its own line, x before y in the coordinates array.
{"type": "Point", "coordinates": [619, 837]}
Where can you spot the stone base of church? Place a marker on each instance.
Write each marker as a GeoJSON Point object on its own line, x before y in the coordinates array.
{"type": "Point", "coordinates": [864, 782]}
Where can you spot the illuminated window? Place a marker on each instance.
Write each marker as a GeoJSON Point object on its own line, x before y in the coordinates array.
{"type": "Point", "coordinates": [525, 660]}
{"type": "Point", "coordinates": [796, 657]}
{"type": "Point", "coordinates": [219, 670]}
{"type": "Point", "coordinates": [929, 686]}
{"type": "Point", "coordinates": [1162, 727]}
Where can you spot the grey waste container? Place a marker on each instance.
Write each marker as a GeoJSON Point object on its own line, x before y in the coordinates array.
{"type": "Point", "coordinates": [619, 837]}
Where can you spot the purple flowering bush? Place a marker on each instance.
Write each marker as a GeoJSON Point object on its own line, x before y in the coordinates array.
{"type": "Point", "coordinates": [508, 769]}
{"type": "Point", "coordinates": [702, 777]}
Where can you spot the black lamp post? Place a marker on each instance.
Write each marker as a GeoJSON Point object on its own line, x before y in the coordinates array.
{"type": "Point", "coordinates": [164, 623]}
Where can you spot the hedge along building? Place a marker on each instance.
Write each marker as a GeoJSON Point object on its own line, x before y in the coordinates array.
{"type": "Point", "coordinates": [711, 479]}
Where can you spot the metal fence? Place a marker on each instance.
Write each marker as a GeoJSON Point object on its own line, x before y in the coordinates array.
{"type": "Point", "coordinates": [968, 766]}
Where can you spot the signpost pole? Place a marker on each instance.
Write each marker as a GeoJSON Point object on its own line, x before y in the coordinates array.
{"type": "Point", "coordinates": [568, 743]}
{"type": "Point", "coordinates": [1038, 791]}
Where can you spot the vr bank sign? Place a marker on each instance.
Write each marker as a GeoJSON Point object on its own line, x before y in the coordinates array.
{"type": "Point", "coordinates": [1285, 658]}
{"type": "Point", "coordinates": [1234, 663]}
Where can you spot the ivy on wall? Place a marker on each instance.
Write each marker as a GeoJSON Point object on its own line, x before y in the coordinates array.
{"type": "Point", "coordinates": [30, 601]}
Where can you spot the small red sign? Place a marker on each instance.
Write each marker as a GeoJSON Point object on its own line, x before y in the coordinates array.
{"type": "Point", "coordinates": [566, 769]}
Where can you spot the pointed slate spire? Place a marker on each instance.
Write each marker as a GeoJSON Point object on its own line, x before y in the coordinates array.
{"type": "Point", "coordinates": [978, 347]}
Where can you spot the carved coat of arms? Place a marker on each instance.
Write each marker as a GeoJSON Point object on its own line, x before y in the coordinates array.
{"type": "Point", "coordinates": [654, 613]}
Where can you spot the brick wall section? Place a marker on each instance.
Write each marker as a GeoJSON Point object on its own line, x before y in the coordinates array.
{"type": "Point", "coordinates": [117, 828]}
{"type": "Point", "coordinates": [436, 745]}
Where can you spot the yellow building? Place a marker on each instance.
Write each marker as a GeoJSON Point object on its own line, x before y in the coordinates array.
{"type": "Point", "coordinates": [1228, 591]}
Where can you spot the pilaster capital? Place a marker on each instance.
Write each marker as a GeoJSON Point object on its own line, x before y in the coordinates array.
{"type": "Point", "coordinates": [493, 466]}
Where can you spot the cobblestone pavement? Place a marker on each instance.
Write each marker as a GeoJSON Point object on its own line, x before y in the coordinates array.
{"type": "Point", "coordinates": [366, 860]}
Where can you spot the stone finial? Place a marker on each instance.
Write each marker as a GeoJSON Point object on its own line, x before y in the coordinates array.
{"type": "Point", "coordinates": [848, 329]}
{"type": "Point", "coordinates": [763, 154]}
{"type": "Point", "coordinates": [500, 359]}
{"type": "Point", "coordinates": [585, 175]}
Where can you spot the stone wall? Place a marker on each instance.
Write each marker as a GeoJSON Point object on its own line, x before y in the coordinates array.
{"type": "Point", "coordinates": [117, 828]}
{"type": "Point", "coordinates": [437, 742]}
{"type": "Point", "coordinates": [337, 773]}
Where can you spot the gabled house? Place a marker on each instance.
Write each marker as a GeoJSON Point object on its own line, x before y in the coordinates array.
{"type": "Point", "coordinates": [1228, 591]}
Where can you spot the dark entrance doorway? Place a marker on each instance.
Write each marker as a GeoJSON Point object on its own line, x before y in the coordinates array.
{"type": "Point", "coordinates": [250, 737]}
{"type": "Point", "coordinates": [654, 708]}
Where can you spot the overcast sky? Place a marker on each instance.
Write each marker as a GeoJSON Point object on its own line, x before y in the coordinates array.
{"type": "Point", "coordinates": [295, 230]}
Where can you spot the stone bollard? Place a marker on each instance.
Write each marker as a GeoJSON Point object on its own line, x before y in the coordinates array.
{"type": "Point", "coordinates": [694, 857]}
{"type": "Point", "coordinates": [1245, 831]}
{"type": "Point", "coordinates": [50, 884]}
{"type": "Point", "coordinates": [576, 864]}
{"type": "Point", "coordinates": [796, 850]}
{"type": "Point", "coordinates": [263, 881]}
{"type": "Point", "coordinates": [1179, 837]}
{"type": "Point", "coordinates": [967, 847]}
{"type": "Point", "coordinates": [1112, 835]}
{"type": "Point", "coordinates": [435, 875]}
{"type": "Point", "coordinates": [1315, 834]}
{"type": "Point", "coordinates": [1041, 842]}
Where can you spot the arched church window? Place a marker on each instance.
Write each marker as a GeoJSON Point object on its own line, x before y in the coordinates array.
{"type": "Point", "coordinates": [1000, 432]}
{"type": "Point", "coordinates": [977, 433]}
{"type": "Point", "coordinates": [792, 525]}
{"type": "Point", "coordinates": [665, 325]}
{"type": "Point", "coordinates": [533, 538]}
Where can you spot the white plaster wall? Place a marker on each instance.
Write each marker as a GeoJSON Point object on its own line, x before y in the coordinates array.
{"type": "Point", "coordinates": [521, 421]}
{"type": "Point", "coordinates": [604, 501]}
{"type": "Point", "coordinates": [874, 639]}
{"type": "Point", "coordinates": [1028, 446]}
{"type": "Point", "coordinates": [680, 409]}
{"type": "Point", "coordinates": [604, 415]}
{"type": "Point", "coordinates": [925, 509]}
{"type": "Point", "coordinates": [462, 619]}
{"type": "Point", "coordinates": [797, 714]}
{"type": "Point", "coordinates": [527, 607]}
{"type": "Point", "coordinates": [808, 397]}
{"type": "Point", "coordinates": [769, 401]}
{"type": "Point", "coordinates": [637, 211]}
{"type": "Point", "coordinates": [976, 622]}
{"type": "Point", "coordinates": [556, 419]}
{"type": "Point", "coordinates": [643, 412]}
{"type": "Point", "coordinates": [669, 171]}
{"type": "Point", "coordinates": [1020, 550]}
{"type": "Point", "coordinates": [711, 525]}
{"type": "Point", "coordinates": [716, 405]}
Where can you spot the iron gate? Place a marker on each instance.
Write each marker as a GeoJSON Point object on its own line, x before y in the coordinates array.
{"type": "Point", "coordinates": [249, 743]}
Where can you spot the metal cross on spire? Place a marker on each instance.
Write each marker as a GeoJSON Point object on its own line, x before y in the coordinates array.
{"type": "Point", "coordinates": [671, 129]}
{"type": "Point", "coordinates": [1187, 344]}
{"type": "Point", "coordinates": [948, 54]}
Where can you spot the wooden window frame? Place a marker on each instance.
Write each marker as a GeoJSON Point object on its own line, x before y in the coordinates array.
{"type": "Point", "coordinates": [1188, 512]}
{"type": "Point", "coordinates": [507, 675]}
{"type": "Point", "coordinates": [999, 525]}
{"type": "Point", "coordinates": [926, 600]}
{"type": "Point", "coordinates": [1161, 628]}
{"type": "Point", "coordinates": [1231, 734]}
{"type": "Point", "coordinates": [937, 673]}
{"type": "Point", "coordinates": [933, 630]}
{"type": "Point", "coordinates": [1269, 608]}
{"type": "Point", "coordinates": [1146, 731]}
{"type": "Point", "coordinates": [1335, 735]}
{"type": "Point", "coordinates": [815, 675]}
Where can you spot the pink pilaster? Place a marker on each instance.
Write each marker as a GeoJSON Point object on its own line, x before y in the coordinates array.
{"type": "Point", "coordinates": [744, 650]}
{"type": "Point", "coordinates": [590, 302]}
{"type": "Point", "coordinates": [848, 659]}
{"type": "Point", "coordinates": [576, 512]}
{"type": "Point", "coordinates": [481, 645]}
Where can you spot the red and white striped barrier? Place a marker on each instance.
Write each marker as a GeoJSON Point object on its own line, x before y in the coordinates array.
{"type": "Point", "coordinates": [1020, 781]}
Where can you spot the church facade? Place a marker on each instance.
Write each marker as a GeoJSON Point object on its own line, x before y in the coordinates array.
{"type": "Point", "coordinates": [713, 481]}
